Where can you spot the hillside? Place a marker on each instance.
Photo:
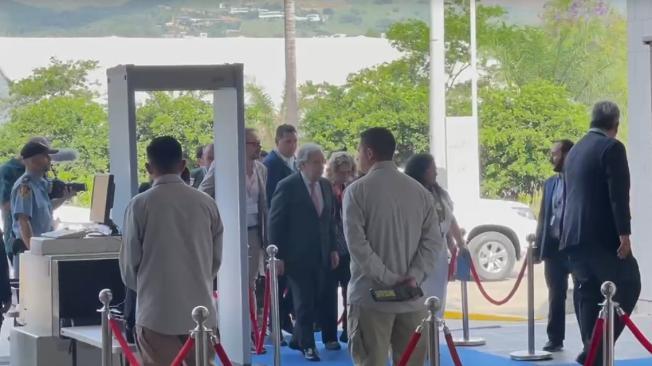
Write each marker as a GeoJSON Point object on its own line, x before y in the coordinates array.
{"type": "Point", "coordinates": [219, 18]}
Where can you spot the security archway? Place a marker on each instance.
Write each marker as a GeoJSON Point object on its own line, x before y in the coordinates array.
{"type": "Point", "coordinates": [226, 83]}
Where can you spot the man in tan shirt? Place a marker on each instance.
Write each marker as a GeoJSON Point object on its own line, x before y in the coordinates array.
{"type": "Point", "coordinates": [171, 252]}
{"type": "Point", "coordinates": [391, 230]}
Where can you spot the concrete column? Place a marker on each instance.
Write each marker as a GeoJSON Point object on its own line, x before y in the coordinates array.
{"type": "Point", "coordinates": [639, 149]}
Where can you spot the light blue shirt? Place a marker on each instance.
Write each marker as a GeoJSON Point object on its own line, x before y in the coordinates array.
{"type": "Point", "coordinates": [29, 196]}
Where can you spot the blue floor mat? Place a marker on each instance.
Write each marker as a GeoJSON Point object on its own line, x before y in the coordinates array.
{"type": "Point", "coordinates": [469, 357]}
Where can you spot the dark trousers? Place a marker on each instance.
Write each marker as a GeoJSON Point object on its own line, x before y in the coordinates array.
{"type": "Point", "coordinates": [327, 304]}
{"type": "Point", "coordinates": [590, 270]}
{"type": "Point", "coordinates": [557, 270]}
{"type": "Point", "coordinates": [342, 276]}
{"type": "Point", "coordinates": [129, 313]}
{"type": "Point", "coordinates": [306, 285]}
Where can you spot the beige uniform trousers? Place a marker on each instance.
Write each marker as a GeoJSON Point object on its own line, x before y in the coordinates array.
{"type": "Point", "coordinates": [375, 336]}
{"type": "Point", "coordinates": [158, 349]}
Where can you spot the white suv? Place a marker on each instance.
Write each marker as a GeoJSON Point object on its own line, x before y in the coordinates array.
{"type": "Point", "coordinates": [496, 231]}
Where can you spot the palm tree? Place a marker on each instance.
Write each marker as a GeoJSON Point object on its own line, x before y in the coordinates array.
{"type": "Point", "coordinates": [290, 104]}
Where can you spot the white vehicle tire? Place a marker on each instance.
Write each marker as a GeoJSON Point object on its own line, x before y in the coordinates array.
{"type": "Point", "coordinates": [493, 255]}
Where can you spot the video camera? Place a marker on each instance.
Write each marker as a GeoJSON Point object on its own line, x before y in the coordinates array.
{"type": "Point", "coordinates": [59, 188]}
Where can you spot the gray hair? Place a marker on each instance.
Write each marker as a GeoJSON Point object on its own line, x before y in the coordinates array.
{"type": "Point", "coordinates": [305, 151]}
{"type": "Point", "coordinates": [605, 115]}
{"type": "Point", "coordinates": [337, 160]}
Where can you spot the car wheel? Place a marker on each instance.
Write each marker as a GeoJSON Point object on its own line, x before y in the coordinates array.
{"type": "Point", "coordinates": [493, 255]}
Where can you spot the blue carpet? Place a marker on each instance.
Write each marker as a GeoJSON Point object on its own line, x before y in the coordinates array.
{"type": "Point", "coordinates": [469, 357]}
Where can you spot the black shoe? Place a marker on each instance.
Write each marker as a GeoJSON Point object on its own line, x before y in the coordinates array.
{"type": "Point", "coordinates": [344, 338]}
{"type": "Point", "coordinates": [295, 346]}
{"type": "Point", "coordinates": [311, 354]}
{"type": "Point", "coordinates": [333, 346]}
{"type": "Point", "coordinates": [581, 358]}
{"type": "Point", "coordinates": [284, 343]}
{"type": "Point", "coordinates": [551, 346]}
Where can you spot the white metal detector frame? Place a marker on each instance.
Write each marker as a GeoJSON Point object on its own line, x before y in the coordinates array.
{"type": "Point", "coordinates": [226, 83]}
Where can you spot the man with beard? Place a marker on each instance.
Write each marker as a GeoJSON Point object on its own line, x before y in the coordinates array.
{"type": "Point", "coordinates": [557, 267]}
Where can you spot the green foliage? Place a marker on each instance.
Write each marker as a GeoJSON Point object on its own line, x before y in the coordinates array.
{"type": "Point", "coordinates": [56, 102]}
{"type": "Point", "coordinates": [518, 127]}
{"type": "Point", "coordinates": [383, 96]}
{"type": "Point", "coordinates": [261, 114]}
{"type": "Point", "coordinates": [185, 116]}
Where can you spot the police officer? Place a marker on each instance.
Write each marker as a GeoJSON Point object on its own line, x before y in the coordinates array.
{"type": "Point", "coordinates": [9, 174]}
{"type": "Point", "coordinates": [31, 207]}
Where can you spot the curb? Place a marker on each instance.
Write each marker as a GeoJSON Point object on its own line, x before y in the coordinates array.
{"type": "Point", "coordinates": [485, 317]}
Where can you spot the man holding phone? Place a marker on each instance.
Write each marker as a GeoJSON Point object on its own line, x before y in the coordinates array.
{"type": "Point", "coordinates": [391, 230]}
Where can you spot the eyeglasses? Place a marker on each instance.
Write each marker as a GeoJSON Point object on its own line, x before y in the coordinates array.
{"type": "Point", "coordinates": [253, 143]}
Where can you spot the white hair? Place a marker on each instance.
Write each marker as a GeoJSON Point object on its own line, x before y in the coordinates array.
{"type": "Point", "coordinates": [305, 151]}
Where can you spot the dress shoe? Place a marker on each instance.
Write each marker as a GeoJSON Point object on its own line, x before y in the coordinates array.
{"type": "Point", "coordinates": [310, 354]}
{"type": "Point", "coordinates": [551, 346]}
{"type": "Point", "coordinates": [344, 337]}
{"type": "Point", "coordinates": [284, 343]}
{"type": "Point", "coordinates": [581, 358]}
{"type": "Point", "coordinates": [333, 346]}
{"type": "Point", "coordinates": [294, 345]}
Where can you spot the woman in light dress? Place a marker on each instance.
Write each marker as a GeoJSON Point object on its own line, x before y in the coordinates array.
{"type": "Point", "coordinates": [422, 168]}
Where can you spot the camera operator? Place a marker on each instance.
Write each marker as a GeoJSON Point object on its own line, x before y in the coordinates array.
{"type": "Point", "coordinates": [31, 202]}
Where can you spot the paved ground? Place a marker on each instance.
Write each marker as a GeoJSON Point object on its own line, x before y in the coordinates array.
{"type": "Point", "coordinates": [499, 289]}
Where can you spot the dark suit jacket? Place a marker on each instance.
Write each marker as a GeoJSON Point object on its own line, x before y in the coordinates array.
{"type": "Point", "coordinates": [277, 170]}
{"type": "Point", "coordinates": [304, 239]}
{"type": "Point", "coordinates": [546, 245]}
{"type": "Point", "coordinates": [597, 185]}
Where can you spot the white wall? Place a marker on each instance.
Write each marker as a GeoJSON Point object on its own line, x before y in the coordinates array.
{"type": "Point", "coordinates": [639, 14]}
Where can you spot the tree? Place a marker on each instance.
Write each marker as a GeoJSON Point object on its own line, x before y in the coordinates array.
{"type": "Point", "coordinates": [290, 105]}
{"type": "Point", "coordinates": [261, 114]}
{"type": "Point", "coordinates": [518, 127]}
{"type": "Point", "coordinates": [56, 102]}
{"type": "Point", "coordinates": [383, 96]}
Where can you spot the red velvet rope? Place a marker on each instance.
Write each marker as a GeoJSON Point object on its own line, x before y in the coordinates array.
{"type": "Point", "coordinates": [511, 293]}
{"type": "Point", "coordinates": [252, 315]}
{"type": "Point", "coordinates": [596, 340]}
{"type": "Point", "coordinates": [409, 350]}
{"type": "Point", "coordinates": [224, 359]}
{"type": "Point", "coordinates": [266, 309]}
{"type": "Point", "coordinates": [183, 353]}
{"type": "Point", "coordinates": [637, 332]}
{"type": "Point", "coordinates": [117, 333]}
{"type": "Point", "coordinates": [452, 264]}
{"type": "Point", "coordinates": [451, 348]}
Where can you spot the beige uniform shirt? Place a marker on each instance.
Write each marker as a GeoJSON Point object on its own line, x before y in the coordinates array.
{"type": "Point", "coordinates": [171, 252]}
{"type": "Point", "coordinates": [391, 230]}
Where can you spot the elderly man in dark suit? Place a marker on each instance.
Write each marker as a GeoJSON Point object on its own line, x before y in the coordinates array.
{"type": "Point", "coordinates": [557, 266]}
{"type": "Point", "coordinates": [596, 224]}
{"type": "Point", "coordinates": [302, 226]}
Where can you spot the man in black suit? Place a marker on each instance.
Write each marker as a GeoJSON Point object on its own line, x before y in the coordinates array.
{"type": "Point", "coordinates": [301, 225]}
{"type": "Point", "coordinates": [557, 265]}
{"type": "Point", "coordinates": [596, 224]}
{"type": "Point", "coordinates": [280, 164]}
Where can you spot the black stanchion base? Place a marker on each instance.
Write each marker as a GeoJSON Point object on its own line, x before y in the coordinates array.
{"type": "Point", "coordinates": [527, 356]}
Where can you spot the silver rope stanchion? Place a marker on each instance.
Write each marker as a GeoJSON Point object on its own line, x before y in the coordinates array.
{"type": "Point", "coordinates": [272, 251]}
{"type": "Point", "coordinates": [433, 304]}
{"type": "Point", "coordinates": [201, 334]}
{"type": "Point", "coordinates": [107, 337]}
{"type": "Point", "coordinates": [608, 290]}
{"type": "Point", "coordinates": [464, 276]}
{"type": "Point", "coordinates": [531, 354]}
